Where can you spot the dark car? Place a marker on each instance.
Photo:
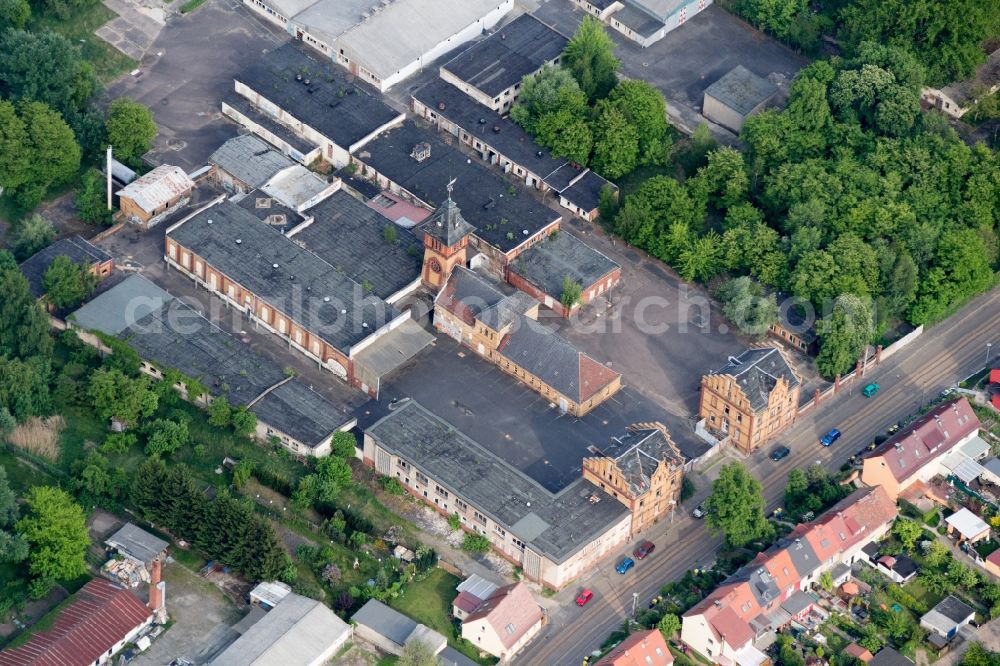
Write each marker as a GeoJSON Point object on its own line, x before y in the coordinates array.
{"type": "Point", "coordinates": [625, 565]}
{"type": "Point", "coordinates": [584, 597]}
{"type": "Point", "coordinates": [830, 437]}
{"type": "Point", "coordinates": [645, 548]}
{"type": "Point", "coordinates": [780, 453]}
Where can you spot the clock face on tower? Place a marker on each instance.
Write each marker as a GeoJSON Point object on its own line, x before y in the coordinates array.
{"type": "Point", "coordinates": [435, 265]}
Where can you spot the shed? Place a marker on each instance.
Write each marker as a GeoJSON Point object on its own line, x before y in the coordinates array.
{"type": "Point", "coordinates": [992, 471]}
{"type": "Point", "coordinates": [947, 617]}
{"type": "Point", "coordinates": [735, 97]}
{"type": "Point", "coordinates": [269, 593]}
{"type": "Point", "coordinates": [148, 199]}
{"type": "Point", "coordinates": [968, 525]}
{"type": "Point", "coordinates": [138, 544]}
{"type": "Point", "coordinates": [390, 630]}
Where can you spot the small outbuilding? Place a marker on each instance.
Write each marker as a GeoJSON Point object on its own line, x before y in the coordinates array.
{"type": "Point", "coordinates": [947, 617]}
{"type": "Point", "coordinates": [137, 544]}
{"type": "Point", "coordinates": [391, 631]}
{"type": "Point", "coordinates": [150, 198]}
{"type": "Point", "coordinates": [967, 526]}
{"type": "Point", "coordinates": [735, 97]}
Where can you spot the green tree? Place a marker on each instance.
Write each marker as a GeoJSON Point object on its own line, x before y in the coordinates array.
{"type": "Point", "coordinates": [550, 90]}
{"type": "Point", "coordinates": [962, 270]}
{"type": "Point", "coordinates": [590, 57]}
{"type": "Point", "coordinates": [45, 67]}
{"type": "Point", "coordinates": [571, 291]}
{"type": "Point", "coordinates": [616, 143]}
{"type": "Point", "coordinates": [220, 413]}
{"type": "Point", "coordinates": [843, 335]}
{"type": "Point", "coordinates": [164, 436]}
{"type": "Point", "coordinates": [669, 625]}
{"type": "Point", "coordinates": [723, 181]}
{"type": "Point", "coordinates": [51, 144]}
{"type": "Point", "coordinates": [344, 445]}
{"type": "Point", "coordinates": [826, 581]}
{"type": "Point", "coordinates": [417, 653]}
{"type": "Point", "coordinates": [744, 304]}
{"type": "Point", "coordinates": [13, 547]}
{"type": "Point", "coordinates": [33, 234]}
{"type": "Point", "coordinates": [977, 655]}
{"type": "Point", "coordinates": [476, 543]}
{"type": "Point", "coordinates": [24, 387]}
{"type": "Point", "coordinates": [15, 159]}
{"type": "Point", "coordinates": [646, 110]}
{"type": "Point", "coordinates": [95, 480]}
{"type": "Point", "coordinates": [773, 16]}
{"type": "Point", "coordinates": [120, 397]}
{"type": "Point", "coordinates": [91, 199]}
{"type": "Point", "coordinates": [702, 259]}
{"type": "Point", "coordinates": [66, 284]}
{"type": "Point", "coordinates": [736, 507]}
{"type": "Point", "coordinates": [567, 134]}
{"type": "Point", "coordinates": [607, 204]}
{"type": "Point", "coordinates": [244, 421]}
{"type": "Point", "coordinates": [55, 528]}
{"type": "Point", "coordinates": [24, 326]}
{"type": "Point", "coordinates": [130, 129]}
{"type": "Point", "coordinates": [14, 14]}
{"type": "Point", "coordinates": [908, 531]}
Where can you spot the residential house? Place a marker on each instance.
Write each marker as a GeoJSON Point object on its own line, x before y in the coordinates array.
{"type": "Point", "coordinates": [305, 107]}
{"type": "Point", "coordinates": [504, 144]}
{"type": "Point", "coordinates": [768, 593]}
{"type": "Point", "coordinates": [476, 311]}
{"type": "Point", "coordinates": [78, 249]}
{"type": "Point", "coordinates": [992, 563]}
{"type": "Point", "coordinates": [899, 569]}
{"type": "Point", "coordinates": [915, 452]}
{"type": "Point", "coordinates": [889, 657]}
{"type": "Point", "coordinates": [503, 622]}
{"type": "Point", "coordinates": [282, 287]}
{"type": "Point", "coordinates": [957, 99]}
{"type": "Point", "coordinates": [543, 270]}
{"type": "Point", "coordinates": [554, 537]}
{"type": "Point", "coordinates": [736, 96]}
{"type": "Point", "coordinates": [490, 71]}
{"type": "Point", "coordinates": [170, 335]}
{"type": "Point", "coordinates": [391, 631]}
{"type": "Point", "coordinates": [947, 617]}
{"type": "Point", "coordinates": [413, 162]}
{"type": "Point", "coordinates": [752, 398]}
{"type": "Point", "coordinates": [643, 469]}
{"type": "Point", "coordinates": [643, 648]}
{"type": "Point", "coordinates": [645, 22]}
{"type": "Point", "coordinates": [967, 526]}
{"type": "Point", "coordinates": [147, 200]}
{"type": "Point", "coordinates": [91, 628]}
{"type": "Point", "coordinates": [245, 163]}
{"type": "Point", "coordinates": [297, 630]}
{"type": "Point", "coordinates": [471, 592]}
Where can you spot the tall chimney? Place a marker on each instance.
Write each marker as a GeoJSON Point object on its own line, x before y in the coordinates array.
{"type": "Point", "coordinates": [158, 593]}
{"type": "Point", "coordinates": [108, 170]}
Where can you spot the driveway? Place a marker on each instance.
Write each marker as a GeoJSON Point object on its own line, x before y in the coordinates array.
{"type": "Point", "coordinates": [690, 58]}
{"type": "Point", "coordinates": [188, 70]}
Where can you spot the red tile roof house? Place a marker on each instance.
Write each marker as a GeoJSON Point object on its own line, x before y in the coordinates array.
{"type": "Point", "coordinates": [97, 623]}
{"type": "Point", "coordinates": [504, 622]}
{"type": "Point", "coordinates": [915, 453]}
{"type": "Point", "coordinates": [769, 592]}
{"type": "Point", "coordinates": [645, 648]}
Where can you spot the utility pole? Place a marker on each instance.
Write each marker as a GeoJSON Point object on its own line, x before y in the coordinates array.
{"type": "Point", "coordinates": [107, 168]}
{"type": "Point", "coordinates": [635, 600]}
{"type": "Point", "coordinates": [989, 346]}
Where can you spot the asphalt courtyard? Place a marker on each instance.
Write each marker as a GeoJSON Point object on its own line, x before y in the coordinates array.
{"type": "Point", "coordinates": [199, 54]}
{"type": "Point", "coordinates": [513, 421]}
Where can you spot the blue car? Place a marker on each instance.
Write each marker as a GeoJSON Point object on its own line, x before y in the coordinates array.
{"type": "Point", "coordinates": [830, 437]}
{"type": "Point", "coordinates": [625, 565]}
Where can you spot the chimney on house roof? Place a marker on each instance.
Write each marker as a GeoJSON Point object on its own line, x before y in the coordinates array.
{"type": "Point", "coordinates": [158, 592]}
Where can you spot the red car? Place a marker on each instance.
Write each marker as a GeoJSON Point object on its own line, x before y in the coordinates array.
{"type": "Point", "coordinates": [645, 548]}
{"type": "Point", "coordinates": [584, 598]}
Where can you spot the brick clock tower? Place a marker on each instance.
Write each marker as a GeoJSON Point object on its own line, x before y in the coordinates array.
{"type": "Point", "coordinates": [446, 237]}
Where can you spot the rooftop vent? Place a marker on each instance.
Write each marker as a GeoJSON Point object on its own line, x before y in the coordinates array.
{"type": "Point", "coordinates": [239, 241]}
{"type": "Point", "coordinates": [274, 266]}
{"type": "Point", "coordinates": [594, 499]}
{"type": "Point", "coordinates": [364, 324]}
{"type": "Point", "coordinates": [482, 121]}
{"type": "Point", "coordinates": [524, 231]}
{"type": "Point", "coordinates": [496, 129]}
{"type": "Point", "coordinates": [298, 77]}
{"type": "Point", "coordinates": [306, 81]}
{"type": "Point", "coordinates": [326, 299]}
{"type": "Point", "coordinates": [421, 151]}
{"type": "Point", "coordinates": [440, 106]}
{"type": "Point", "coordinates": [735, 361]}
{"type": "Point", "coordinates": [539, 153]}
{"type": "Point", "coordinates": [210, 220]}
{"type": "Point", "coordinates": [291, 277]}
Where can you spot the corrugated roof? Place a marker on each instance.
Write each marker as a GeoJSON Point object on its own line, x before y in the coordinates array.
{"type": "Point", "coordinates": [138, 543]}
{"type": "Point", "coordinates": [471, 296]}
{"type": "Point", "coordinates": [968, 524]}
{"type": "Point", "coordinates": [98, 617]}
{"type": "Point", "coordinates": [158, 187]}
{"type": "Point", "coordinates": [249, 160]}
{"type": "Point", "coordinates": [125, 304]}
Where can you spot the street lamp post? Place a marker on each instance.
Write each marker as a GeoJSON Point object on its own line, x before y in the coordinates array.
{"type": "Point", "coordinates": [635, 599]}
{"type": "Point", "coordinates": [989, 346]}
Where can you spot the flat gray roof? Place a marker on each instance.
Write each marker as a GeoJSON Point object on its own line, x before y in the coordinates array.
{"type": "Point", "coordinates": [329, 19]}
{"type": "Point", "coordinates": [561, 255]}
{"type": "Point", "coordinates": [249, 159]}
{"type": "Point", "coordinates": [327, 302]}
{"type": "Point", "coordinates": [556, 525]}
{"type": "Point", "coordinates": [298, 411]}
{"type": "Point", "coordinates": [121, 306]}
{"type": "Point", "coordinates": [741, 90]}
{"type": "Point", "coordinates": [386, 621]}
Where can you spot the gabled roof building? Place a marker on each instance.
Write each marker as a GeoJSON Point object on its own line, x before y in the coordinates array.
{"type": "Point", "coordinates": [752, 398]}
{"type": "Point", "coordinates": [645, 22]}
{"type": "Point", "coordinates": [147, 200]}
{"type": "Point", "coordinates": [504, 622]}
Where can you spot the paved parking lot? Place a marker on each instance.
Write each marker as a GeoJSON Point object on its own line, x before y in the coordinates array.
{"type": "Point", "coordinates": [200, 54]}
{"type": "Point", "coordinates": [692, 57]}
{"type": "Point", "coordinates": [515, 422]}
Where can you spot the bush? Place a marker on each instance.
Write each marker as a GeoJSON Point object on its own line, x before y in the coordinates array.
{"type": "Point", "coordinates": [476, 543]}
{"type": "Point", "coordinates": [455, 521]}
{"type": "Point", "coordinates": [391, 485]}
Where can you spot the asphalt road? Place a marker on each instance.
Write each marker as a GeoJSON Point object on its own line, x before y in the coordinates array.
{"type": "Point", "coordinates": [915, 375]}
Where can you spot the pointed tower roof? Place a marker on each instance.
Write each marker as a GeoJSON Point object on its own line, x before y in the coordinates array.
{"type": "Point", "coordinates": [446, 224]}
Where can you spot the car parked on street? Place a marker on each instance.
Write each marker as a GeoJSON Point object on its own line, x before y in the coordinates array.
{"type": "Point", "coordinates": [830, 437]}
{"type": "Point", "coordinates": [780, 453]}
{"type": "Point", "coordinates": [584, 597]}
{"type": "Point", "coordinates": [699, 511]}
{"type": "Point", "coordinates": [645, 548]}
{"type": "Point", "coordinates": [870, 390]}
{"type": "Point", "coordinates": [625, 565]}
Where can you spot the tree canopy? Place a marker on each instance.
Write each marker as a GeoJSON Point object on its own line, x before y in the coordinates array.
{"type": "Point", "coordinates": [590, 57]}
{"type": "Point", "coordinates": [117, 396]}
{"type": "Point", "coordinates": [736, 507]}
{"type": "Point", "coordinates": [24, 326]}
{"type": "Point", "coordinates": [13, 547]}
{"type": "Point", "coordinates": [66, 283]}
{"type": "Point", "coordinates": [91, 199]}
{"type": "Point", "coordinates": [130, 129]}
{"type": "Point", "coordinates": [55, 528]}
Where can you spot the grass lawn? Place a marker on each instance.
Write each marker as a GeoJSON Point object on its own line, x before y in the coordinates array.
{"type": "Point", "coordinates": [921, 593]}
{"type": "Point", "coordinates": [22, 474]}
{"type": "Point", "coordinates": [388, 660]}
{"type": "Point", "coordinates": [429, 602]}
{"type": "Point", "coordinates": [79, 28]}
